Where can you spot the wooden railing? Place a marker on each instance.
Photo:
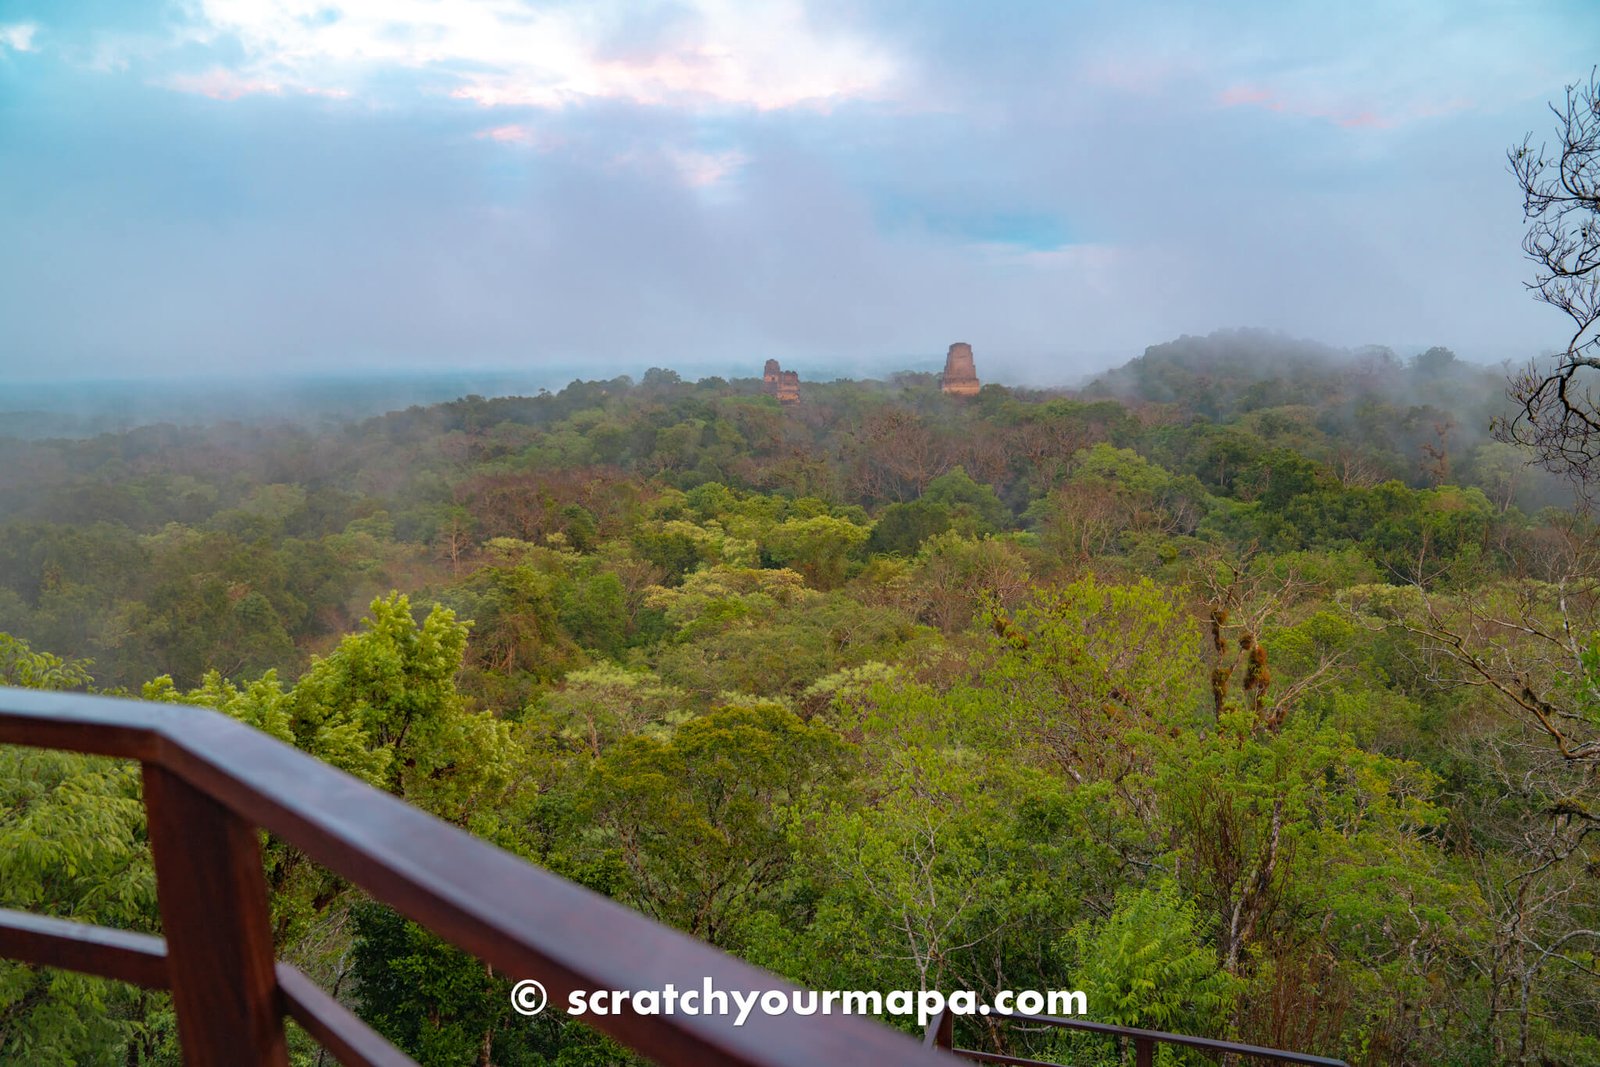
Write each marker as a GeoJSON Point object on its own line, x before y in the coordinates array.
{"type": "Point", "coordinates": [210, 783]}
{"type": "Point", "coordinates": [941, 1034]}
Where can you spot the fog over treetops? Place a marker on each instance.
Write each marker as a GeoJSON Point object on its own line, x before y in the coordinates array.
{"type": "Point", "coordinates": [1219, 376]}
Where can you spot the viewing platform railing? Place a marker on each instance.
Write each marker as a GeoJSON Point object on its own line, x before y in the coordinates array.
{"type": "Point", "coordinates": [941, 1033]}
{"type": "Point", "coordinates": [210, 783]}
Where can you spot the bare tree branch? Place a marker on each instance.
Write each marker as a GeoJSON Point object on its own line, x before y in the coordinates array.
{"type": "Point", "coordinates": [1559, 415]}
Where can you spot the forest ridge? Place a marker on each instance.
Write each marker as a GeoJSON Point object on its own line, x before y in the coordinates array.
{"type": "Point", "coordinates": [1236, 688]}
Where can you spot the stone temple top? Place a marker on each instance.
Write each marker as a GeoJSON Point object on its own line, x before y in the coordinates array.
{"type": "Point", "coordinates": [783, 384]}
{"type": "Point", "coordinates": [960, 378]}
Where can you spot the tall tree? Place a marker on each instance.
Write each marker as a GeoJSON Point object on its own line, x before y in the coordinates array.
{"type": "Point", "coordinates": [72, 845]}
{"type": "Point", "coordinates": [1560, 186]}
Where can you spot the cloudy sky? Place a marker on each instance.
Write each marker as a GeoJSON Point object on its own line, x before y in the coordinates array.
{"type": "Point", "coordinates": [195, 186]}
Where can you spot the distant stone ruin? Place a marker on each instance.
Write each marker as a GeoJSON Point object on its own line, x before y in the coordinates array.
{"type": "Point", "coordinates": [960, 377]}
{"type": "Point", "coordinates": [789, 387]}
{"type": "Point", "coordinates": [783, 384]}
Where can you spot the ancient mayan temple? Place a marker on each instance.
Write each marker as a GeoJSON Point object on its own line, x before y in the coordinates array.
{"type": "Point", "coordinates": [783, 384]}
{"type": "Point", "coordinates": [960, 378]}
{"type": "Point", "coordinates": [789, 387]}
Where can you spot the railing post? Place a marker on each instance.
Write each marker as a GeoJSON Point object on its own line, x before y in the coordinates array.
{"type": "Point", "coordinates": [1144, 1052]}
{"type": "Point", "coordinates": [941, 1032]}
{"type": "Point", "coordinates": [213, 900]}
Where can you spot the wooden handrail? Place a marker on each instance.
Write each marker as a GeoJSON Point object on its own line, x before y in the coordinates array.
{"type": "Point", "coordinates": [350, 1040]}
{"type": "Point", "coordinates": [211, 782]}
{"type": "Point", "coordinates": [73, 946]}
{"type": "Point", "coordinates": [940, 1035]}
{"type": "Point", "coordinates": [142, 960]}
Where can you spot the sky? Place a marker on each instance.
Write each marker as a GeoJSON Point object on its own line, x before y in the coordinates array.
{"type": "Point", "coordinates": [201, 187]}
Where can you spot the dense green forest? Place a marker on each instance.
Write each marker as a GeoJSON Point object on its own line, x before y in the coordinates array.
{"type": "Point", "coordinates": [1247, 688]}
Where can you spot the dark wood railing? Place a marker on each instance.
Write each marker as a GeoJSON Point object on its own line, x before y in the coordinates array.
{"type": "Point", "coordinates": [941, 1034]}
{"type": "Point", "coordinates": [210, 783]}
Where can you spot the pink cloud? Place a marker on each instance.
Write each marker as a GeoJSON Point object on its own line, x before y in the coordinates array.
{"type": "Point", "coordinates": [702, 170]}
{"type": "Point", "coordinates": [508, 134]}
{"type": "Point", "coordinates": [221, 84]}
{"type": "Point", "coordinates": [1266, 99]}
{"type": "Point", "coordinates": [1237, 95]}
{"type": "Point", "coordinates": [522, 135]}
{"type": "Point", "coordinates": [1365, 120]}
{"type": "Point", "coordinates": [694, 169]}
{"type": "Point", "coordinates": [1345, 115]}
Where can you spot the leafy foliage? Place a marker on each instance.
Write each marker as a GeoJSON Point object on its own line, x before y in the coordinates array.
{"type": "Point", "coordinates": [1246, 689]}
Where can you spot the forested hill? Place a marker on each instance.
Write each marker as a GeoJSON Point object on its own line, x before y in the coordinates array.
{"type": "Point", "coordinates": [1236, 689]}
{"type": "Point", "coordinates": [1354, 394]}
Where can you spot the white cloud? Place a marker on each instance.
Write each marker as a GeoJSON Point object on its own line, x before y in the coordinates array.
{"type": "Point", "coordinates": [702, 170]}
{"type": "Point", "coordinates": [500, 52]}
{"type": "Point", "coordinates": [18, 37]}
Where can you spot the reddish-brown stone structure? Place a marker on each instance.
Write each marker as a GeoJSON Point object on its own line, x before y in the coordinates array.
{"type": "Point", "coordinates": [960, 378]}
{"type": "Point", "coordinates": [783, 384]}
